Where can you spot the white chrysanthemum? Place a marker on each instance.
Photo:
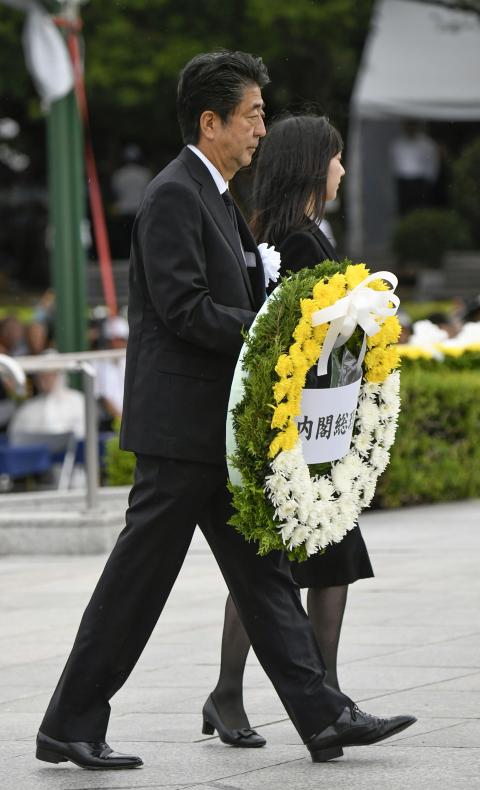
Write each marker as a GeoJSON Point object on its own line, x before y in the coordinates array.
{"type": "Point", "coordinates": [363, 442]}
{"type": "Point", "coordinates": [367, 413]}
{"type": "Point", "coordinates": [312, 544]}
{"type": "Point", "coordinates": [299, 535]}
{"type": "Point", "coordinates": [389, 411]}
{"type": "Point", "coordinates": [342, 479]}
{"type": "Point", "coordinates": [287, 529]}
{"type": "Point", "coordinates": [320, 513]}
{"type": "Point", "coordinates": [370, 389]}
{"type": "Point", "coordinates": [323, 488]}
{"type": "Point", "coordinates": [338, 529]}
{"type": "Point", "coordinates": [278, 487]}
{"type": "Point", "coordinates": [379, 458]}
{"type": "Point", "coordinates": [286, 510]}
{"type": "Point", "coordinates": [286, 461]}
{"type": "Point", "coordinates": [353, 464]}
{"type": "Point", "coordinates": [368, 492]}
{"type": "Point", "coordinates": [303, 512]}
{"type": "Point", "coordinates": [389, 433]}
{"type": "Point", "coordinates": [390, 388]}
{"type": "Point", "coordinates": [320, 510]}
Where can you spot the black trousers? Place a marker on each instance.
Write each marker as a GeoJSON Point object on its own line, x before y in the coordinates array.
{"type": "Point", "coordinates": [167, 500]}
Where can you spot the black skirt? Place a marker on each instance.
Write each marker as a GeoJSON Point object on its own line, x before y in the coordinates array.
{"type": "Point", "coordinates": [341, 563]}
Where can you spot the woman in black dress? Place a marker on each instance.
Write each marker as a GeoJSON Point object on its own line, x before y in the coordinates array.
{"type": "Point", "coordinates": [298, 169]}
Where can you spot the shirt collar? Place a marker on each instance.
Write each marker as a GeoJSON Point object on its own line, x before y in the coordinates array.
{"type": "Point", "coordinates": [222, 185]}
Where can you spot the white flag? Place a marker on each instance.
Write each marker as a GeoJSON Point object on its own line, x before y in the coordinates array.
{"type": "Point", "coordinates": [46, 53]}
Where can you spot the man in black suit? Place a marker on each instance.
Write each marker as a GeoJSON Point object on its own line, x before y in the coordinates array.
{"type": "Point", "coordinates": [191, 295]}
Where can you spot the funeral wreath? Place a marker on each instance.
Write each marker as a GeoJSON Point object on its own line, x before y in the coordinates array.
{"type": "Point", "coordinates": [279, 500]}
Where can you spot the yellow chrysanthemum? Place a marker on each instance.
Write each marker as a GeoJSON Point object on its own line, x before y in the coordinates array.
{"type": "Point", "coordinates": [275, 446]}
{"type": "Point", "coordinates": [354, 275]}
{"type": "Point", "coordinates": [311, 349]}
{"type": "Point", "coordinates": [307, 307]}
{"type": "Point", "coordinates": [374, 357]}
{"type": "Point", "coordinates": [337, 285]}
{"type": "Point", "coordinates": [319, 332]}
{"type": "Point", "coordinates": [301, 368]}
{"type": "Point", "coordinates": [281, 415]}
{"type": "Point", "coordinates": [451, 351]}
{"type": "Point", "coordinates": [289, 436]}
{"type": "Point", "coordinates": [281, 389]}
{"type": "Point", "coordinates": [322, 293]}
{"type": "Point", "coordinates": [295, 353]}
{"type": "Point", "coordinates": [284, 366]}
{"type": "Point", "coordinates": [295, 404]}
{"type": "Point", "coordinates": [379, 285]}
{"type": "Point", "coordinates": [414, 352]}
{"type": "Point", "coordinates": [390, 331]}
{"type": "Point", "coordinates": [303, 330]}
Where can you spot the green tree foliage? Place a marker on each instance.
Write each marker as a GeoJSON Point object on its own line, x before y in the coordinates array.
{"type": "Point", "coordinates": [135, 48]}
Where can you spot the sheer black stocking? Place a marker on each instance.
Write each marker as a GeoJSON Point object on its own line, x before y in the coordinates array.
{"type": "Point", "coordinates": [325, 607]}
{"type": "Point", "coordinates": [228, 693]}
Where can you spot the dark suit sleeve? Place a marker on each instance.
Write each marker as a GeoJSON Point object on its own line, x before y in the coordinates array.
{"type": "Point", "coordinates": [170, 238]}
{"type": "Point", "coordinates": [300, 250]}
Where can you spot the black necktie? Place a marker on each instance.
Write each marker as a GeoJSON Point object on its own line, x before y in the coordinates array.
{"type": "Point", "coordinates": [227, 199]}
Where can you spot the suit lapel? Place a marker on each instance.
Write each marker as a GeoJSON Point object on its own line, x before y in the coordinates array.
{"type": "Point", "coordinates": [215, 205]}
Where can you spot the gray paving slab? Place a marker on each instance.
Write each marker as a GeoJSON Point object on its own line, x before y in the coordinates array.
{"type": "Point", "coordinates": [411, 642]}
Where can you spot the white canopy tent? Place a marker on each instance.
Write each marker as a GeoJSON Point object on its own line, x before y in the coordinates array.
{"type": "Point", "coordinates": [421, 61]}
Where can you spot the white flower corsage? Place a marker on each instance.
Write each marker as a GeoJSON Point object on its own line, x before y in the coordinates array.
{"type": "Point", "coordinates": [271, 262]}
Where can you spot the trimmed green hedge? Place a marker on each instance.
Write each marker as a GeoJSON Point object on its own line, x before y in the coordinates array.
{"type": "Point", "coordinates": [425, 235]}
{"type": "Point", "coordinates": [119, 465]}
{"type": "Point", "coordinates": [436, 456]}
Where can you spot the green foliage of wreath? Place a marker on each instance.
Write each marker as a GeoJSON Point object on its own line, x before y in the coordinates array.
{"type": "Point", "coordinates": [254, 514]}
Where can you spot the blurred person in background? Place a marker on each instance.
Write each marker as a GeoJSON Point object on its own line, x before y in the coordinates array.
{"type": "Point", "coordinates": [128, 186]}
{"type": "Point", "coordinates": [12, 337]}
{"type": "Point", "coordinates": [56, 409]}
{"type": "Point", "coordinates": [111, 373]}
{"type": "Point", "coordinates": [36, 337]}
{"type": "Point", "coordinates": [415, 159]}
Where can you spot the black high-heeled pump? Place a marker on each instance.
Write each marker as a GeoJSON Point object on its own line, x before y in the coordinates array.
{"type": "Point", "coordinates": [245, 738]}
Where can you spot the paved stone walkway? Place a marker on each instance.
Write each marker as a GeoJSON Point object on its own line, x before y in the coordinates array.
{"type": "Point", "coordinates": [411, 643]}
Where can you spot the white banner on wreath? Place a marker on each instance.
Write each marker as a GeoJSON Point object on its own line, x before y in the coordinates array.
{"type": "Point", "coordinates": [326, 421]}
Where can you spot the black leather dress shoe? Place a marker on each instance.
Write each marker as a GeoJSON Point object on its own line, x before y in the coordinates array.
{"type": "Point", "coordinates": [96, 756]}
{"type": "Point", "coordinates": [245, 738]}
{"type": "Point", "coordinates": [354, 728]}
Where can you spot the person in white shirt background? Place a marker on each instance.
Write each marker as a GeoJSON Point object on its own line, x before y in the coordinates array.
{"type": "Point", "coordinates": [111, 373]}
{"type": "Point", "coordinates": [415, 161]}
{"type": "Point", "coordinates": [56, 409]}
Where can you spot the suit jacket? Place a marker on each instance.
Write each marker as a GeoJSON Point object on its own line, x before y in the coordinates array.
{"type": "Point", "coordinates": [190, 296]}
{"type": "Point", "coordinates": [304, 249]}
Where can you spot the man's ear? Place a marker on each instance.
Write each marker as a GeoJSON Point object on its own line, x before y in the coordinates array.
{"type": "Point", "coordinates": [208, 124]}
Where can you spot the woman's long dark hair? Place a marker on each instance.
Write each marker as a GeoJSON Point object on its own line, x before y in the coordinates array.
{"type": "Point", "coordinates": [291, 174]}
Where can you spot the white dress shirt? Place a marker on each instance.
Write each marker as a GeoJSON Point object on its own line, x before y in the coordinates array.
{"type": "Point", "coordinates": [222, 185]}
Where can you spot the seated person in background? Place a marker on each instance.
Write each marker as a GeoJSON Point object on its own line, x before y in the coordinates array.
{"type": "Point", "coordinates": [36, 337]}
{"type": "Point", "coordinates": [56, 409]}
{"type": "Point", "coordinates": [111, 373]}
{"type": "Point", "coordinates": [12, 337]}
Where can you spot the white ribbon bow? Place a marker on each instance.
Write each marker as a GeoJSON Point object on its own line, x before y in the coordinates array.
{"type": "Point", "coordinates": [362, 306]}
